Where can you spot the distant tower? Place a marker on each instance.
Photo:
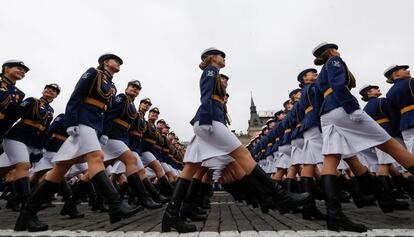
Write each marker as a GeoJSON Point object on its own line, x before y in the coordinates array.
{"type": "Point", "coordinates": [254, 121]}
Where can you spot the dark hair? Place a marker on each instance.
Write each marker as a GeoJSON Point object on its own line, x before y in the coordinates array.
{"type": "Point", "coordinates": [323, 58]}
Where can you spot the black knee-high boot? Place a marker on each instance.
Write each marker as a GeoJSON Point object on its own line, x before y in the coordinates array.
{"type": "Point", "coordinates": [166, 188]}
{"type": "Point", "coordinates": [27, 219]}
{"type": "Point", "coordinates": [310, 211]}
{"type": "Point", "coordinates": [96, 201]}
{"type": "Point", "coordinates": [385, 181]}
{"type": "Point", "coordinates": [190, 209]}
{"type": "Point", "coordinates": [205, 193]}
{"type": "Point", "coordinates": [291, 186]}
{"type": "Point", "coordinates": [172, 218]}
{"type": "Point", "coordinates": [143, 197]}
{"type": "Point", "coordinates": [336, 219]}
{"type": "Point", "coordinates": [153, 192]}
{"type": "Point", "coordinates": [272, 193]}
{"type": "Point", "coordinates": [353, 188]}
{"type": "Point", "coordinates": [405, 184]}
{"type": "Point", "coordinates": [385, 201]}
{"type": "Point", "coordinates": [22, 188]}
{"type": "Point", "coordinates": [117, 208]}
{"type": "Point", "coordinates": [71, 200]}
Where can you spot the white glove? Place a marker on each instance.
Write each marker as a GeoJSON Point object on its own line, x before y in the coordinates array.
{"type": "Point", "coordinates": [208, 128]}
{"type": "Point", "coordinates": [103, 139]}
{"type": "Point", "coordinates": [36, 151]}
{"type": "Point", "coordinates": [357, 116]}
{"type": "Point", "coordinates": [73, 131]}
{"type": "Point", "coordinates": [43, 151]}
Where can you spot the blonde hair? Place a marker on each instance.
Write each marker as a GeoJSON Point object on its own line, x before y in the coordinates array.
{"type": "Point", "coordinates": [207, 61]}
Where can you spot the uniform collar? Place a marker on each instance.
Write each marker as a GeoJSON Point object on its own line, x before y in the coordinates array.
{"type": "Point", "coordinates": [8, 81]}
{"type": "Point", "coordinates": [132, 99]}
{"type": "Point", "coordinates": [109, 76]}
{"type": "Point", "coordinates": [372, 98]}
{"type": "Point", "coordinates": [43, 100]}
{"type": "Point", "coordinates": [399, 79]}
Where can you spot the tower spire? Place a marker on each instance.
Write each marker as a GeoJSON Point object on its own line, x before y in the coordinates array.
{"type": "Point", "coordinates": [252, 105]}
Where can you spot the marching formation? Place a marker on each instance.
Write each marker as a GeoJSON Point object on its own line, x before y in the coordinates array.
{"type": "Point", "coordinates": [322, 145]}
{"type": "Point", "coordinates": [103, 145]}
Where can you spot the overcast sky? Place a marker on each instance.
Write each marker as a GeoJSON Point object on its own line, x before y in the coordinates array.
{"type": "Point", "coordinates": [267, 44]}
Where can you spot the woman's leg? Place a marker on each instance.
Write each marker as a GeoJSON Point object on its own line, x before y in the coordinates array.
{"type": "Point", "coordinates": [336, 220]}
{"type": "Point", "coordinates": [399, 153]}
{"type": "Point", "coordinates": [134, 181]}
{"type": "Point", "coordinates": [172, 218]}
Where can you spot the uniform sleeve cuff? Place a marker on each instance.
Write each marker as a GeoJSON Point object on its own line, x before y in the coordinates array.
{"type": "Point", "coordinates": [205, 119]}
{"type": "Point", "coordinates": [350, 106]}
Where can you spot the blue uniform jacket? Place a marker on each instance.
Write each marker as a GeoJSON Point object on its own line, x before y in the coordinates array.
{"type": "Point", "coordinates": [210, 109]}
{"type": "Point", "coordinates": [287, 129]}
{"type": "Point", "coordinates": [270, 141]}
{"type": "Point", "coordinates": [149, 138]}
{"type": "Point", "coordinates": [119, 118]}
{"type": "Point", "coordinates": [256, 151]}
{"type": "Point", "coordinates": [332, 82]}
{"type": "Point", "coordinates": [10, 98]}
{"type": "Point", "coordinates": [263, 146]}
{"type": "Point", "coordinates": [279, 131]}
{"type": "Point", "coordinates": [56, 134]}
{"type": "Point", "coordinates": [399, 98]}
{"type": "Point", "coordinates": [296, 121]}
{"type": "Point", "coordinates": [90, 100]}
{"type": "Point", "coordinates": [378, 109]}
{"type": "Point", "coordinates": [136, 131]}
{"type": "Point", "coordinates": [35, 117]}
{"type": "Point", "coordinates": [310, 102]}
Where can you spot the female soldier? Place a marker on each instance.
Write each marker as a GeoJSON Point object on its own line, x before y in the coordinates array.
{"type": "Point", "coordinates": [26, 137]}
{"type": "Point", "coordinates": [84, 118]}
{"type": "Point", "coordinates": [214, 139]}
{"type": "Point", "coordinates": [136, 131]}
{"type": "Point", "coordinates": [10, 95]}
{"type": "Point", "coordinates": [378, 108]}
{"type": "Point", "coordinates": [150, 153]}
{"type": "Point", "coordinates": [312, 147]}
{"type": "Point", "coordinates": [347, 130]}
{"type": "Point", "coordinates": [118, 121]}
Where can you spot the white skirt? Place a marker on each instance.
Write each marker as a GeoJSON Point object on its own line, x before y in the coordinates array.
{"type": "Point", "coordinates": [369, 158]}
{"type": "Point", "coordinates": [75, 146]}
{"type": "Point", "coordinates": [140, 165]}
{"type": "Point", "coordinates": [297, 155]}
{"type": "Point", "coordinates": [45, 163]}
{"type": "Point", "coordinates": [218, 162]}
{"type": "Point", "coordinates": [343, 165]}
{"type": "Point", "coordinates": [118, 168]}
{"type": "Point", "coordinates": [165, 167]}
{"type": "Point", "coordinates": [14, 152]}
{"type": "Point", "coordinates": [284, 160]}
{"type": "Point", "coordinates": [385, 158]}
{"type": "Point", "coordinates": [341, 135]}
{"type": "Point", "coordinates": [269, 161]}
{"type": "Point", "coordinates": [176, 172]}
{"type": "Point", "coordinates": [276, 158]}
{"type": "Point", "coordinates": [408, 136]}
{"type": "Point", "coordinates": [77, 169]}
{"type": "Point", "coordinates": [205, 145]}
{"type": "Point", "coordinates": [150, 173]}
{"type": "Point", "coordinates": [147, 158]}
{"type": "Point", "coordinates": [312, 146]}
{"type": "Point", "coordinates": [114, 149]}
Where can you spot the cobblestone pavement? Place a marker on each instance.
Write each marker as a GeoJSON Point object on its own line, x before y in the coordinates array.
{"type": "Point", "coordinates": [225, 219]}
